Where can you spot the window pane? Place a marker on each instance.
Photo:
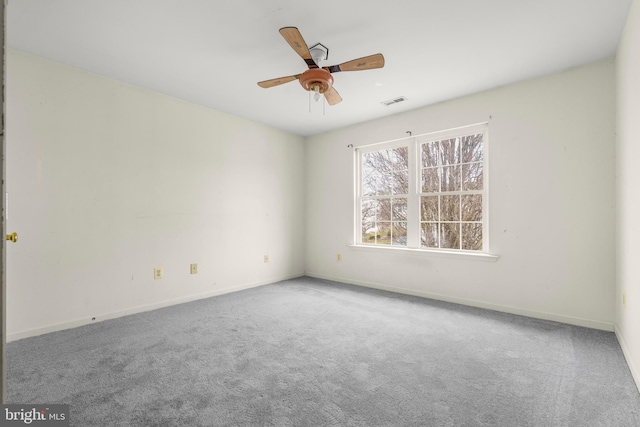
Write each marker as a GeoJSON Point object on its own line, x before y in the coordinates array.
{"type": "Point", "coordinates": [430, 154]}
{"type": "Point", "coordinates": [472, 148]}
{"type": "Point", "coordinates": [472, 176]}
{"type": "Point", "coordinates": [385, 172]}
{"type": "Point", "coordinates": [368, 232]}
{"type": "Point", "coordinates": [450, 236]}
{"type": "Point", "coordinates": [376, 184]}
{"type": "Point", "coordinates": [368, 188]}
{"type": "Point", "coordinates": [368, 209]}
{"type": "Point", "coordinates": [399, 234]}
{"type": "Point", "coordinates": [450, 151]}
{"type": "Point", "coordinates": [429, 208]}
{"type": "Point", "coordinates": [472, 207]}
{"type": "Point", "coordinates": [430, 180]}
{"type": "Point", "coordinates": [383, 210]}
{"type": "Point", "coordinates": [451, 178]}
{"type": "Point", "coordinates": [450, 208]}
{"type": "Point", "coordinates": [401, 182]}
{"type": "Point", "coordinates": [384, 233]}
{"type": "Point", "coordinates": [472, 237]}
{"type": "Point", "coordinates": [382, 160]}
{"type": "Point", "coordinates": [368, 216]}
{"type": "Point", "coordinates": [399, 209]}
{"type": "Point", "coordinates": [399, 158]}
{"type": "Point", "coordinates": [384, 184]}
{"type": "Point", "coordinates": [367, 162]}
{"type": "Point", "coordinates": [429, 235]}
{"type": "Point", "coordinates": [369, 183]}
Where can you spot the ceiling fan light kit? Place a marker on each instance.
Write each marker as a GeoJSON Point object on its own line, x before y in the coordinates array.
{"type": "Point", "coordinates": [316, 79]}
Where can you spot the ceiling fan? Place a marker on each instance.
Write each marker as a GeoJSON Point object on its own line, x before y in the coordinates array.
{"type": "Point", "coordinates": [317, 79]}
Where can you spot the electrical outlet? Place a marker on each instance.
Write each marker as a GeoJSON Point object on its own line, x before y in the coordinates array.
{"type": "Point", "coordinates": [266, 258]}
{"type": "Point", "coordinates": [624, 299]}
{"type": "Point", "coordinates": [194, 268]}
{"type": "Point", "coordinates": [338, 257]}
{"type": "Point", "coordinates": [158, 273]}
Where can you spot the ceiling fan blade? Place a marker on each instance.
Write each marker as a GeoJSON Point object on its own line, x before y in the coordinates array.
{"type": "Point", "coordinates": [276, 82]}
{"type": "Point", "coordinates": [332, 96]}
{"type": "Point", "coordinates": [367, 63]}
{"type": "Point", "coordinates": [295, 40]}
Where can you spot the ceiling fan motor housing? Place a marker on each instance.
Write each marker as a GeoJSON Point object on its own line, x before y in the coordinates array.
{"type": "Point", "coordinates": [316, 78]}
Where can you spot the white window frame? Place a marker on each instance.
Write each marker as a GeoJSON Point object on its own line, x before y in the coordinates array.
{"type": "Point", "coordinates": [413, 197]}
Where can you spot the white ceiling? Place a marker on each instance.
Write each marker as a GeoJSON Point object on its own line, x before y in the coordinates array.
{"type": "Point", "coordinates": [213, 52]}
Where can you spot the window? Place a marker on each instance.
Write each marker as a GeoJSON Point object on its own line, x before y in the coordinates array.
{"type": "Point", "coordinates": [426, 192]}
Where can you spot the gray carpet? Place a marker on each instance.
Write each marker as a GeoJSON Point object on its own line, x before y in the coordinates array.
{"type": "Point", "coordinates": [307, 352]}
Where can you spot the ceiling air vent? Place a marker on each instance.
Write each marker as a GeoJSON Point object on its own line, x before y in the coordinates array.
{"type": "Point", "coordinates": [394, 101]}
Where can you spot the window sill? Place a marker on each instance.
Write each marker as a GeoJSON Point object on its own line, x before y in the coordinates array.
{"type": "Point", "coordinates": [477, 256]}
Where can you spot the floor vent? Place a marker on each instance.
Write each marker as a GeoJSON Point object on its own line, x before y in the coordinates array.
{"type": "Point", "coordinates": [394, 101]}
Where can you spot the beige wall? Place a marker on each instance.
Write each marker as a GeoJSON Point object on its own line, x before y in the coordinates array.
{"type": "Point", "coordinates": [628, 194]}
{"type": "Point", "coordinates": [107, 181]}
{"type": "Point", "coordinates": [551, 202]}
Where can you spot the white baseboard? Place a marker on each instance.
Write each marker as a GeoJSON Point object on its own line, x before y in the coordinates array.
{"type": "Point", "coordinates": [140, 309]}
{"type": "Point", "coordinates": [635, 372]}
{"type": "Point", "coordinates": [571, 320]}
